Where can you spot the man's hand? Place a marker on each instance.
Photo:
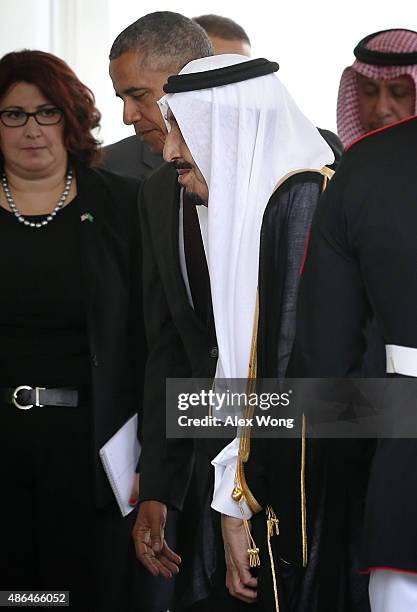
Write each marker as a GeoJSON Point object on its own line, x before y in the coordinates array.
{"type": "Point", "coordinates": [239, 580]}
{"type": "Point", "coordinates": [148, 535]}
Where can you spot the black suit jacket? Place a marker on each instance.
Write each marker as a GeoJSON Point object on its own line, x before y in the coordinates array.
{"type": "Point", "coordinates": [130, 157]}
{"type": "Point", "coordinates": [180, 343]}
{"type": "Point", "coordinates": [110, 250]}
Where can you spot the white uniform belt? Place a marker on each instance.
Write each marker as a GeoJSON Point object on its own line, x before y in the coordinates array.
{"type": "Point", "coordinates": [401, 360]}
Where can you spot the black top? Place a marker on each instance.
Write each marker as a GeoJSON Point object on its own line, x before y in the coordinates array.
{"type": "Point", "coordinates": [43, 331]}
{"type": "Point", "coordinates": [109, 264]}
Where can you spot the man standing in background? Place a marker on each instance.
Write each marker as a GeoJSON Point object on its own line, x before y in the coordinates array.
{"type": "Point", "coordinates": [226, 35]}
{"type": "Point", "coordinates": [380, 87]}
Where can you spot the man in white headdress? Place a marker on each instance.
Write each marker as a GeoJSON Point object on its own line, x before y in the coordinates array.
{"type": "Point", "coordinates": [242, 146]}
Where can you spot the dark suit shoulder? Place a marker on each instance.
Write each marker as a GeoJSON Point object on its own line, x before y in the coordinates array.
{"type": "Point", "coordinates": [381, 142]}
{"type": "Point", "coordinates": [130, 145]}
{"type": "Point", "coordinates": [130, 157]}
{"type": "Point", "coordinates": [367, 184]}
{"type": "Point", "coordinates": [367, 168]}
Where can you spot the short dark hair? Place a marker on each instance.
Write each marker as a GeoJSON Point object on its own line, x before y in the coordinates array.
{"type": "Point", "coordinates": [169, 39]}
{"type": "Point", "coordinates": [59, 84]}
{"type": "Point", "coordinates": [223, 27]}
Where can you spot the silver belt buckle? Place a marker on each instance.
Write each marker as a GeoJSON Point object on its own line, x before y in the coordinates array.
{"type": "Point", "coordinates": [27, 388]}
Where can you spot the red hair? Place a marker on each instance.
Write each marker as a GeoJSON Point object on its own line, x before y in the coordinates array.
{"type": "Point", "coordinates": [60, 86]}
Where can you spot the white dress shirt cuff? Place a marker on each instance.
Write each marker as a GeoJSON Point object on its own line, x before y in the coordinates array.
{"type": "Point", "coordinates": [224, 482]}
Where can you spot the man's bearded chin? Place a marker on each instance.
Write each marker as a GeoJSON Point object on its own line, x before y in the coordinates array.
{"type": "Point", "coordinates": [193, 197]}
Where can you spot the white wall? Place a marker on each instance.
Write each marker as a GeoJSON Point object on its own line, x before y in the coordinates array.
{"type": "Point", "coordinates": [312, 41]}
{"type": "Point", "coordinates": [24, 23]}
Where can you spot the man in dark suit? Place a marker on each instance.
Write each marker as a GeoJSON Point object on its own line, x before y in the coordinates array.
{"type": "Point", "coordinates": [142, 57]}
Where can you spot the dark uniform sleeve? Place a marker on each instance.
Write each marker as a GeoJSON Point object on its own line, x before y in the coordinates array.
{"type": "Point", "coordinates": [333, 309]}
{"type": "Point", "coordinates": [165, 464]}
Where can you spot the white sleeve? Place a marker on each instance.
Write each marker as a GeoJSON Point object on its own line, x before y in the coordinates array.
{"type": "Point", "coordinates": [224, 482]}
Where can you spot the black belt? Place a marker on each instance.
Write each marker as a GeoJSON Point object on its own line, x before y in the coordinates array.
{"type": "Point", "coordinates": [25, 397]}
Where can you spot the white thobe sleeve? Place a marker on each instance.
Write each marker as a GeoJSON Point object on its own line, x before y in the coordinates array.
{"type": "Point", "coordinates": [225, 464]}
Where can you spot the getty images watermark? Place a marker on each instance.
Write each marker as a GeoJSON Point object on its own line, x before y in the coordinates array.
{"type": "Point", "coordinates": [201, 409]}
{"type": "Point", "coordinates": [221, 402]}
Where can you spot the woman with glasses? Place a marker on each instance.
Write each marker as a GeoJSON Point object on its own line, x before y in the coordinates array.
{"type": "Point", "coordinates": [71, 343]}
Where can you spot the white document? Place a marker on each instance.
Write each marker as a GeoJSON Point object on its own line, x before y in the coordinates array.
{"type": "Point", "coordinates": [120, 456]}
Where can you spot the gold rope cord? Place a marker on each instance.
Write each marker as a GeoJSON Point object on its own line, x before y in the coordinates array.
{"type": "Point", "coordinates": [271, 526]}
{"type": "Point", "coordinates": [327, 176]}
{"type": "Point", "coordinates": [244, 444]}
{"type": "Point", "coordinates": [303, 492]}
{"type": "Point", "coordinates": [244, 447]}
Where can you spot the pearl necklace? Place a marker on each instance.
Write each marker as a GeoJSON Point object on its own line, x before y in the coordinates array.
{"type": "Point", "coordinates": [51, 215]}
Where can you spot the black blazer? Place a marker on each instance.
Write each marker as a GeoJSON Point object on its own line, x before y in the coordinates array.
{"type": "Point", "coordinates": [180, 343]}
{"type": "Point", "coordinates": [111, 275]}
{"type": "Point", "coordinates": [130, 157]}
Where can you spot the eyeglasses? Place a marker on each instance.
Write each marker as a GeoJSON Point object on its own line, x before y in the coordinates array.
{"type": "Point", "coordinates": [15, 117]}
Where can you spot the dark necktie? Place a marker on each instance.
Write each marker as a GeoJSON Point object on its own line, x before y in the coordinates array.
{"type": "Point", "coordinates": [195, 259]}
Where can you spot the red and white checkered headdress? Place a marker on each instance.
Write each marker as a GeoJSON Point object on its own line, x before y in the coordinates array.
{"type": "Point", "coordinates": [384, 55]}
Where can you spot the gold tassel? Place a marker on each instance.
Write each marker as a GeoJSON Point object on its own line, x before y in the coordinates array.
{"type": "Point", "coordinates": [253, 550]}
{"type": "Point", "coordinates": [272, 522]}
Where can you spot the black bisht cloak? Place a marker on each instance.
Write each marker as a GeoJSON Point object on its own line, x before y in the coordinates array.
{"type": "Point", "coordinates": [315, 570]}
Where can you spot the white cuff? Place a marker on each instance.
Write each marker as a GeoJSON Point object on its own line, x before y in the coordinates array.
{"type": "Point", "coordinates": [224, 482]}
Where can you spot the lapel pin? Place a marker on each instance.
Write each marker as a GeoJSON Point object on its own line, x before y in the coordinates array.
{"type": "Point", "coordinates": [87, 217]}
